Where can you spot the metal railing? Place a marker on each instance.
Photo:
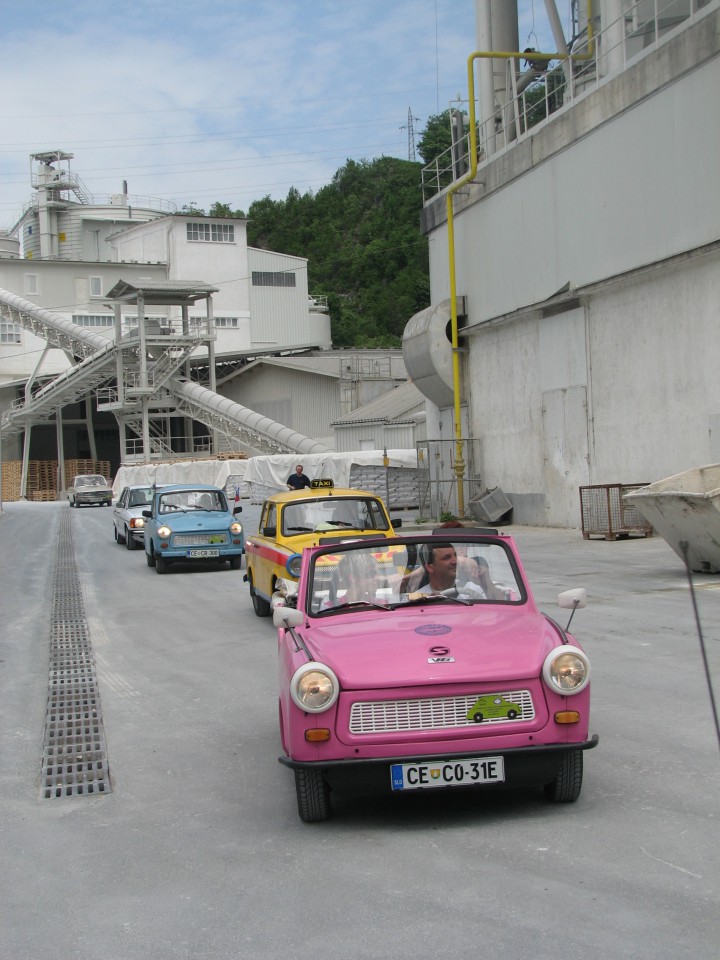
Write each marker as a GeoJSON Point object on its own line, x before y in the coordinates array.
{"type": "Point", "coordinates": [164, 447]}
{"type": "Point", "coordinates": [643, 26]}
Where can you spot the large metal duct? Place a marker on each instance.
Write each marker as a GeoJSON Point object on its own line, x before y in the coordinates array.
{"type": "Point", "coordinates": [69, 334]}
{"type": "Point", "coordinates": [427, 351]}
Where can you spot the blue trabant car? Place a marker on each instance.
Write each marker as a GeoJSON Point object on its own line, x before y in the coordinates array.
{"type": "Point", "coordinates": [192, 523]}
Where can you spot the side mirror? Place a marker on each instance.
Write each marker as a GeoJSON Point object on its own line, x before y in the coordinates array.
{"type": "Point", "coordinates": [287, 617]}
{"type": "Point", "coordinates": [147, 513]}
{"type": "Point", "coordinates": [573, 599]}
{"type": "Point", "coordinates": [396, 523]}
{"type": "Point", "coordinates": [270, 532]}
{"type": "Point", "coordinates": [237, 510]}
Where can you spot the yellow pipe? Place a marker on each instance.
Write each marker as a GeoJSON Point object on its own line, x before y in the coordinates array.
{"type": "Point", "coordinates": [459, 465]}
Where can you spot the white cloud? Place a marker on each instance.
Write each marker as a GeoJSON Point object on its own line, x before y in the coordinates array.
{"type": "Point", "coordinates": [226, 100]}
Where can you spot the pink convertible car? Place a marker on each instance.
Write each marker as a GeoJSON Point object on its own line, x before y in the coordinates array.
{"type": "Point", "coordinates": [423, 663]}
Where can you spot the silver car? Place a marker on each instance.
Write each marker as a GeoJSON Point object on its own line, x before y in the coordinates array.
{"type": "Point", "coordinates": [90, 489]}
{"type": "Point", "coordinates": [127, 516]}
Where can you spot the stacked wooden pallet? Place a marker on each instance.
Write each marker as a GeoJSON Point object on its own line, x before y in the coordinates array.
{"type": "Point", "coordinates": [42, 477]}
{"type": "Point", "coordinates": [11, 474]}
{"type": "Point", "coordinates": [75, 467]}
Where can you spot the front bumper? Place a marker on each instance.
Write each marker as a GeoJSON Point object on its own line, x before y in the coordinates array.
{"type": "Point", "coordinates": [524, 766]}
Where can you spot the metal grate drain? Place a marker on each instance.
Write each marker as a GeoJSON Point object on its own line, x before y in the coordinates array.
{"type": "Point", "coordinates": [74, 756]}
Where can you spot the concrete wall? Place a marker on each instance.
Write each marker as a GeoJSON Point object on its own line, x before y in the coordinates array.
{"type": "Point", "coordinates": [302, 401]}
{"type": "Point", "coordinates": [616, 203]}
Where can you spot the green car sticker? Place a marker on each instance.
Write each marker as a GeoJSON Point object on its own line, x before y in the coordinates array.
{"type": "Point", "coordinates": [493, 707]}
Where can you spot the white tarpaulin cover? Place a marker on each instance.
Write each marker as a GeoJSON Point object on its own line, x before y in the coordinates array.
{"type": "Point", "coordinates": [273, 471]}
{"type": "Point", "coordinates": [262, 476]}
{"type": "Point", "coordinates": [220, 473]}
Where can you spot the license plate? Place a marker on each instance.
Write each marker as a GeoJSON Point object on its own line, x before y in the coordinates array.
{"type": "Point", "coordinates": [202, 554]}
{"type": "Point", "coordinates": [447, 773]}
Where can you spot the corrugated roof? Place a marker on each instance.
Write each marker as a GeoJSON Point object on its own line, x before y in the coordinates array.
{"type": "Point", "coordinates": [161, 291]}
{"type": "Point", "coordinates": [331, 364]}
{"type": "Point", "coordinates": [394, 406]}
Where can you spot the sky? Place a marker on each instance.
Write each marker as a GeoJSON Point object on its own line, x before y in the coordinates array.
{"type": "Point", "coordinates": [227, 100]}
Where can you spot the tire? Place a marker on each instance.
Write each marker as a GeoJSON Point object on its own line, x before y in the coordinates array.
{"type": "Point", "coordinates": [511, 714]}
{"type": "Point", "coordinates": [260, 605]}
{"type": "Point", "coordinates": [313, 796]}
{"type": "Point", "coordinates": [477, 717]}
{"type": "Point", "coordinates": [161, 564]}
{"type": "Point", "coordinates": [119, 537]}
{"type": "Point", "coordinates": [150, 558]}
{"type": "Point", "coordinates": [566, 786]}
{"type": "Point", "coordinates": [236, 562]}
{"type": "Point", "coordinates": [115, 533]}
{"type": "Point", "coordinates": [130, 541]}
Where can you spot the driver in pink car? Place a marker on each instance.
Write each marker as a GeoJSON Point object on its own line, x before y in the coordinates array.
{"type": "Point", "coordinates": [441, 563]}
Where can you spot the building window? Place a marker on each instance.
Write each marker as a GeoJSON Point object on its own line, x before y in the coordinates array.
{"type": "Point", "coordinates": [93, 319]}
{"type": "Point", "coordinates": [263, 278]}
{"type": "Point", "coordinates": [96, 287]}
{"type": "Point", "coordinates": [227, 322]}
{"type": "Point", "coordinates": [9, 332]}
{"type": "Point", "coordinates": [211, 232]}
{"type": "Point", "coordinates": [32, 284]}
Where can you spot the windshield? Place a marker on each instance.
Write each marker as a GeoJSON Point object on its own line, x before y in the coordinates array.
{"type": "Point", "coordinates": [435, 571]}
{"type": "Point", "coordinates": [333, 513]}
{"type": "Point", "coordinates": [91, 481]}
{"type": "Point", "coordinates": [192, 500]}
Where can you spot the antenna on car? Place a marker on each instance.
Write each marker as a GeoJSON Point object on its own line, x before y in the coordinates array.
{"type": "Point", "coordinates": [683, 544]}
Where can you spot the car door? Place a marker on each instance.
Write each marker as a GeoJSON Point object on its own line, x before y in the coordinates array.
{"type": "Point", "coordinates": [120, 505]}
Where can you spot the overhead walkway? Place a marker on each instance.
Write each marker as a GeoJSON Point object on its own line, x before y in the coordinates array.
{"type": "Point", "coordinates": [99, 362]}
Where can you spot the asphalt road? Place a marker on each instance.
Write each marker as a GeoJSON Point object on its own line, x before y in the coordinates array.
{"type": "Point", "coordinates": [197, 852]}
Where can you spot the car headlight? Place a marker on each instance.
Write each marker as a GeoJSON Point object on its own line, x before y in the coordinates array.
{"type": "Point", "coordinates": [164, 532]}
{"type": "Point", "coordinates": [136, 522]}
{"type": "Point", "coordinates": [314, 688]}
{"type": "Point", "coordinates": [235, 528]}
{"type": "Point", "coordinates": [566, 670]}
{"type": "Point", "coordinates": [292, 565]}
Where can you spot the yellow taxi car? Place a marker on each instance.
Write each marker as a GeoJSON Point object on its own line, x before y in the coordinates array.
{"type": "Point", "coordinates": [291, 521]}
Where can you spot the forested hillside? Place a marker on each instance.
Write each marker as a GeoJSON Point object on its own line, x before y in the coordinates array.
{"type": "Point", "coordinates": [361, 236]}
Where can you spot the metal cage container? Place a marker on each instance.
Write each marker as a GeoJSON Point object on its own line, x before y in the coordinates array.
{"type": "Point", "coordinates": [604, 512]}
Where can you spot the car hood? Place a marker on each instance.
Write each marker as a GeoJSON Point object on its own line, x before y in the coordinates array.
{"type": "Point", "coordinates": [390, 650]}
{"type": "Point", "coordinates": [197, 520]}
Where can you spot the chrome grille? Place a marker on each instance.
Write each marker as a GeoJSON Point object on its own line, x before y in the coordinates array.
{"type": "Point", "coordinates": [430, 713]}
{"type": "Point", "coordinates": [200, 539]}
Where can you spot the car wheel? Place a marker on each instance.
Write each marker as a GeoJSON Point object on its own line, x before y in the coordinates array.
{"type": "Point", "coordinates": [115, 533]}
{"type": "Point", "coordinates": [130, 541]}
{"type": "Point", "coordinates": [150, 558]}
{"type": "Point", "coordinates": [161, 564]}
{"type": "Point", "coordinates": [313, 796]}
{"type": "Point", "coordinates": [235, 562]}
{"type": "Point", "coordinates": [511, 714]}
{"type": "Point", "coordinates": [119, 536]}
{"type": "Point", "coordinates": [565, 788]}
{"type": "Point", "coordinates": [477, 717]}
{"type": "Point", "coordinates": [260, 604]}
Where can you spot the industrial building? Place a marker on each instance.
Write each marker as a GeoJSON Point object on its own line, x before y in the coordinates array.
{"type": "Point", "coordinates": [577, 259]}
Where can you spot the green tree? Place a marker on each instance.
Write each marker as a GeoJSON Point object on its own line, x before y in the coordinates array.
{"type": "Point", "coordinates": [361, 237]}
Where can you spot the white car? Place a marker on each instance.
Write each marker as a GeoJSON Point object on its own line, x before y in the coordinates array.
{"type": "Point", "coordinates": [90, 489]}
{"type": "Point", "coordinates": [129, 523]}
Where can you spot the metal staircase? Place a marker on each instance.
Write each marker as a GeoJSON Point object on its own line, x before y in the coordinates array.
{"type": "Point", "coordinates": [141, 391]}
